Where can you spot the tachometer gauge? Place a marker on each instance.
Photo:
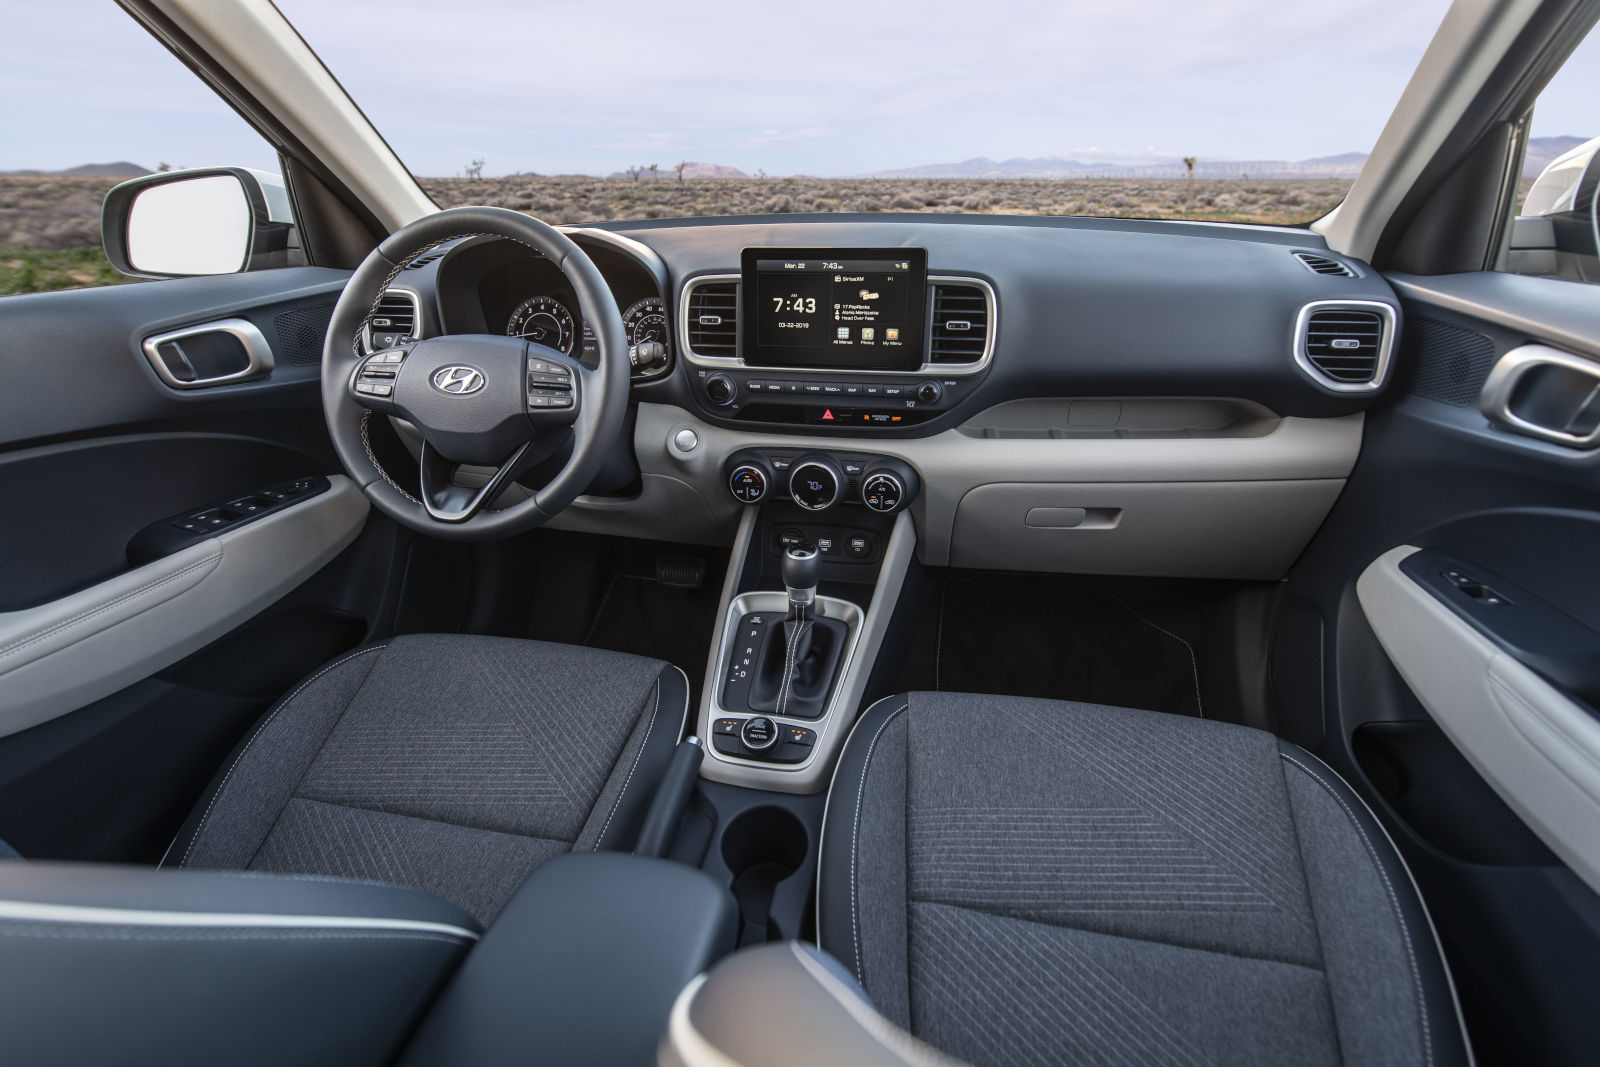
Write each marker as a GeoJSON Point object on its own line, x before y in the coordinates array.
{"type": "Point", "coordinates": [543, 320]}
{"type": "Point", "coordinates": [646, 320]}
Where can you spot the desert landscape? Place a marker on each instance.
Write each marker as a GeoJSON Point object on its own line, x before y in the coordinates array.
{"type": "Point", "coordinates": [50, 225]}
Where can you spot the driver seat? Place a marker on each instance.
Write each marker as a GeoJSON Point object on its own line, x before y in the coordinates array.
{"type": "Point", "coordinates": [449, 763]}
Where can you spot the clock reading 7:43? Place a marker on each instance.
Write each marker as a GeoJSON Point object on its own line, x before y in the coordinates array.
{"type": "Point", "coordinates": [804, 305]}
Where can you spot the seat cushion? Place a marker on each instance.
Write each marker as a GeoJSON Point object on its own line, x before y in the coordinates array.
{"type": "Point", "coordinates": [1025, 882]}
{"type": "Point", "coordinates": [454, 764]}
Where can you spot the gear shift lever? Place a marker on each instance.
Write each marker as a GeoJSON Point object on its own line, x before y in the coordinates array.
{"type": "Point", "coordinates": [802, 568]}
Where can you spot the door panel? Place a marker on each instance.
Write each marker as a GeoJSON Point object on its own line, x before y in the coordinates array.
{"type": "Point", "coordinates": [1470, 735]}
{"type": "Point", "coordinates": [133, 653]}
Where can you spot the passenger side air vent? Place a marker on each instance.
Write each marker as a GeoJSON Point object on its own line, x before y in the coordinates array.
{"type": "Point", "coordinates": [713, 319]}
{"type": "Point", "coordinates": [395, 317]}
{"type": "Point", "coordinates": [1323, 265]}
{"type": "Point", "coordinates": [960, 323]}
{"type": "Point", "coordinates": [1346, 346]}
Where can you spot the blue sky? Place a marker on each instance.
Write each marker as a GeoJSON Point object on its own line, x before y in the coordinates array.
{"type": "Point", "coordinates": [828, 87]}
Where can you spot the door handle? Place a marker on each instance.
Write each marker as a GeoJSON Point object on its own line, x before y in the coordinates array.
{"type": "Point", "coordinates": [1543, 392]}
{"type": "Point", "coordinates": [209, 353]}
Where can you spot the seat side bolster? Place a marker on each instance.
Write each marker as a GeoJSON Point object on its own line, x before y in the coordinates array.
{"type": "Point", "coordinates": [619, 811]}
{"type": "Point", "coordinates": [196, 967]}
{"type": "Point", "coordinates": [785, 1005]}
{"type": "Point", "coordinates": [837, 897]}
{"type": "Point", "coordinates": [1346, 909]}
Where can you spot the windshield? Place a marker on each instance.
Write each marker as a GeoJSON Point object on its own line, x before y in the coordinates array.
{"type": "Point", "coordinates": [1247, 110]}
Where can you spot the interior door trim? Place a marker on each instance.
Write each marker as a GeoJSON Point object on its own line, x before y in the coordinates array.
{"type": "Point", "coordinates": [1537, 748]}
{"type": "Point", "coordinates": [61, 655]}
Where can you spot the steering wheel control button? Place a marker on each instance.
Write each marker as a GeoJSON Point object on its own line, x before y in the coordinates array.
{"type": "Point", "coordinates": [747, 484]}
{"type": "Point", "coordinates": [685, 441]}
{"type": "Point", "coordinates": [759, 733]}
{"type": "Point", "coordinates": [816, 484]}
{"type": "Point", "coordinates": [720, 389]}
{"type": "Point", "coordinates": [882, 492]}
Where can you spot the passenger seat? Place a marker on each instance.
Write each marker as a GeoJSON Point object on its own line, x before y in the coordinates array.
{"type": "Point", "coordinates": [1022, 882]}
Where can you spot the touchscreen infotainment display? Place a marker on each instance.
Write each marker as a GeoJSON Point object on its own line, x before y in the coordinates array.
{"type": "Point", "coordinates": [841, 308]}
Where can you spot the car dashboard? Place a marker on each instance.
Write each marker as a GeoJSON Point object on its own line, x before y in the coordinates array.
{"type": "Point", "coordinates": [1077, 395]}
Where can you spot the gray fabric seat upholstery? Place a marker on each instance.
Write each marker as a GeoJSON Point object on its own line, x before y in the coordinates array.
{"type": "Point", "coordinates": [453, 764]}
{"type": "Point", "coordinates": [1028, 882]}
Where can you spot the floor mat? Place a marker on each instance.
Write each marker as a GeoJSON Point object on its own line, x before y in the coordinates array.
{"type": "Point", "coordinates": [650, 618]}
{"type": "Point", "coordinates": [1063, 638]}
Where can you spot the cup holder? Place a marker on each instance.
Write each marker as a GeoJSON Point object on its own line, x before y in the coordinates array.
{"type": "Point", "coordinates": [762, 847]}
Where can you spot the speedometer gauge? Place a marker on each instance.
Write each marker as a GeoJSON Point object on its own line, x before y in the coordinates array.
{"type": "Point", "coordinates": [646, 320]}
{"type": "Point", "coordinates": [543, 320]}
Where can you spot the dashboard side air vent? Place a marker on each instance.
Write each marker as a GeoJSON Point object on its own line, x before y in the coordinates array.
{"type": "Point", "coordinates": [396, 316]}
{"type": "Point", "coordinates": [1324, 265]}
{"type": "Point", "coordinates": [962, 314]}
{"type": "Point", "coordinates": [712, 319]}
{"type": "Point", "coordinates": [423, 261]}
{"type": "Point", "coordinates": [1345, 347]}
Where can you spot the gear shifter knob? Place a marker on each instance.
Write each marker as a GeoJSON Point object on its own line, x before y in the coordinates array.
{"type": "Point", "coordinates": [802, 569]}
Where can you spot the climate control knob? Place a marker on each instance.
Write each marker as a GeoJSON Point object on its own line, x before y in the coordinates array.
{"type": "Point", "coordinates": [748, 483]}
{"type": "Point", "coordinates": [721, 390]}
{"type": "Point", "coordinates": [816, 483]}
{"type": "Point", "coordinates": [929, 393]}
{"type": "Point", "coordinates": [882, 492]}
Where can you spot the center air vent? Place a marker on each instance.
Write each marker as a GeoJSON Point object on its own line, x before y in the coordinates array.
{"type": "Point", "coordinates": [1324, 265]}
{"type": "Point", "coordinates": [960, 323]}
{"type": "Point", "coordinates": [713, 319]}
{"type": "Point", "coordinates": [395, 317]}
{"type": "Point", "coordinates": [1346, 346]}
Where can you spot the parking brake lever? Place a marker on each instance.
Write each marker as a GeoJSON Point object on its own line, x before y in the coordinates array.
{"type": "Point", "coordinates": [672, 796]}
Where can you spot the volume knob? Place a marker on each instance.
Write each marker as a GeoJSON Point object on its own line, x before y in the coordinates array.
{"type": "Point", "coordinates": [720, 389]}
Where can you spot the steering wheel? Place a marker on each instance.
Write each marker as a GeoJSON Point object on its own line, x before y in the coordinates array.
{"type": "Point", "coordinates": [479, 399]}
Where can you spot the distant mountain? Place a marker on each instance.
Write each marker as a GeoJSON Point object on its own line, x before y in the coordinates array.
{"type": "Point", "coordinates": [87, 170]}
{"type": "Point", "coordinates": [1542, 151]}
{"type": "Point", "coordinates": [1343, 166]}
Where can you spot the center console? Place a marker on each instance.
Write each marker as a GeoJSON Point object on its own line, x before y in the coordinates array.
{"type": "Point", "coordinates": [822, 550]}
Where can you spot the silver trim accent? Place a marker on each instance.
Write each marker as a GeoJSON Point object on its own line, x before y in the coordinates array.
{"type": "Point", "coordinates": [416, 317]}
{"type": "Point", "coordinates": [28, 911]}
{"type": "Point", "coordinates": [1386, 342]}
{"type": "Point", "coordinates": [257, 351]}
{"type": "Point", "coordinates": [899, 491]}
{"type": "Point", "coordinates": [766, 483]}
{"type": "Point", "coordinates": [928, 369]}
{"type": "Point", "coordinates": [836, 475]}
{"type": "Point", "coordinates": [825, 607]}
{"type": "Point", "coordinates": [812, 774]}
{"type": "Point", "coordinates": [1508, 372]}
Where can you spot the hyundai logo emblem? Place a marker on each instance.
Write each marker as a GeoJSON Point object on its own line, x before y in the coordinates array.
{"type": "Point", "coordinates": [458, 380]}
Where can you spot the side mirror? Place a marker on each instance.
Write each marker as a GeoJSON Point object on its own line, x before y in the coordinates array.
{"type": "Point", "coordinates": [1558, 232]}
{"type": "Point", "coordinates": [215, 220]}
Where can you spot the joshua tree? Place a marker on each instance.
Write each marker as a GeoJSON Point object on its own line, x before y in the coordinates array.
{"type": "Point", "coordinates": [163, 167]}
{"type": "Point", "coordinates": [653, 169]}
{"type": "Point", "coordinates": [1189, 161]}
{"type": "Point", "coordinates": [474, 169]}
{"type": "Point", "coordinates": [679, 169]}
{"type": "Point", "coordinates": [633, 172]}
